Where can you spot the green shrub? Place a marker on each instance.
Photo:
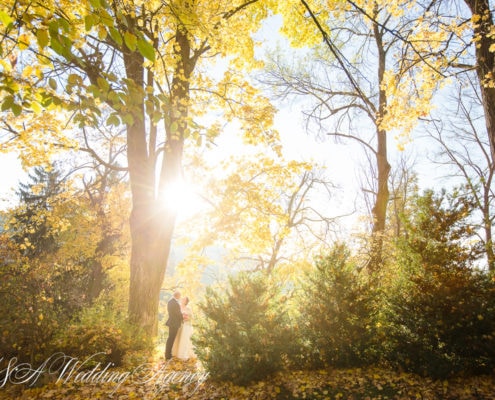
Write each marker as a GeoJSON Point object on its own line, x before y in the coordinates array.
{"type": "Point", "coordinates": [102, 335]}
{"type": "Point", "coordinates": [442, 322]}
{"type": "Point", "coordinates": [441, 311]}
{"type": "Point", "coordinates": [244, 333]}
{"type": "Point", "coordinates": [338, 313]}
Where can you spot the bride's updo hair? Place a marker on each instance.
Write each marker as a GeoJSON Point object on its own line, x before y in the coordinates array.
{"type": "Point", "coordinates": [186, 301]}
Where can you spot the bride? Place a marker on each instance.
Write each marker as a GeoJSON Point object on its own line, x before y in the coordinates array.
{"type": "Point", "coordinates": [182, 346]}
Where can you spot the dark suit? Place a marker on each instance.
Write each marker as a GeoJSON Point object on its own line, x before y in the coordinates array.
{"type": "Point", "coordinates": [174, 322]}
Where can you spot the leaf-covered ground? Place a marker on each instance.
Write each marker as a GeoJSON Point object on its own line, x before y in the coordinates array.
{"type": "Point", "coordinates": [184, 380]}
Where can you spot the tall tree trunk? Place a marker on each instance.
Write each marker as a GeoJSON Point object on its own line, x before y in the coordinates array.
{"type": "Point", "coordinates": [379, 211]}
{"type": "Point", "coordinates": [487, 224]}
{"type": "Point", "coordinates": [490, 256]}
{"type": "Point", "coordinates": [152, 222]}
{"type": "Point", "coordinates": [148, 258]}
{"type": "Point", "coordinates": [151, 226]}
{"type": "Point", "coordinates": [147, 263]}
{"type": "Point", "coordinates": [151, 229]}
{"type": "Point", "coordinates": [485, 62]}
{"type": "Point", "coordinates": [485, 68]}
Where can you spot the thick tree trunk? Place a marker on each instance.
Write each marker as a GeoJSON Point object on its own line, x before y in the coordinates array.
{"type": "Point", "coordinates": [485, 68]}
{"type": "Point", "coordinates": [152, 222]}
{"type": "Point", "coordinates": [151, 231]}
{"type": "Point", "coordinates": [152, 225]}
{"type": "Point", "coordinates": [149, 250]}
{"type": "Point", "coordinates": [147, 264]}
{"type": "Point", "coordinates": [485, 62]}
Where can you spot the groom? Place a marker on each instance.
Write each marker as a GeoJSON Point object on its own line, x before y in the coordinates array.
{"type": "Point", "coordinates": [174, 322]}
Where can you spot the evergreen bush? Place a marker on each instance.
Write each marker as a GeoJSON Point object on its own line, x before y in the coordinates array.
{"type": "Point", "coordinates": [244, 333]}
{"type": "Point", "coordinates": [443, 323]}
{"type": "Point", "coordinates": [338, 313]}
{"type": "Point", "coordinates": [441, 308]}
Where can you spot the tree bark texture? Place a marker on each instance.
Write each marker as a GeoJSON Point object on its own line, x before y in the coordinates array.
{"type": "Point", "coordinates": [485, 68]}
{"type": "Point", "coordinates": [152, 222]}
{"type": "Point", "coordinates": [379, 211]}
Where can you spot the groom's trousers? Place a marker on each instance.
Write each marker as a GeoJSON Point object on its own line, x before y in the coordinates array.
{"type": "Point", "coordinates": [172, 333]}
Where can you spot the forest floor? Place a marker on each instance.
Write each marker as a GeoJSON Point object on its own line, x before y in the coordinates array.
{"type": "Point", "coordinates": [187, 380]}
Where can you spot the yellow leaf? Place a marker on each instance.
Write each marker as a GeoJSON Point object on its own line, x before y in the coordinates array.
{"type": "Point", "coordinates": [23, 41]}
{"type": "Point", "coordinates": [35, 106]}
{"type": "Point", "coordinates": [5, 19]}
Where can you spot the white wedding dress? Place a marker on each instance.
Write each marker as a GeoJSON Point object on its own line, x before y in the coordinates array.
{"type": "Point", "coordinates": [183, 348]}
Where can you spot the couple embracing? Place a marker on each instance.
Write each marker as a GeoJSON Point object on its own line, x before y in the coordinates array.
{"type": "Point", "coordinates": [179, 328]}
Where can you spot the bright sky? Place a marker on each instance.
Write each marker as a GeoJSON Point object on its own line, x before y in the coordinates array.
{"type": "Point", "coordinates": [11, 173]}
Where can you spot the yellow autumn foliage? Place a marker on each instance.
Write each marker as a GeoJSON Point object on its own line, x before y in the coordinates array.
{"type": "Point", "coordinates": [249, 214]}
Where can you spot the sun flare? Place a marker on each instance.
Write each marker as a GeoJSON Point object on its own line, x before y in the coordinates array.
{"type": "Point", "coordinates": [183, 198]}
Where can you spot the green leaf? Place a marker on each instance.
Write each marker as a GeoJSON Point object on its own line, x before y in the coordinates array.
{"type": "Point", "coordinates": [106, 18]}
{"type": "Point", "coordinates": [113, 120]}
{"type": "Point", "coordinates": [90, 21]}
{"type": "Point", "coordinates": [115, 35]}
{"type": "Point", "coordinates": [47, 101]}
{"type": "Point", "coordinates": [103, 84]}
{"type": "Point", "coordinates": [122, 19]}
{"type": "Point", "coordinates": [67, 45]}
{"type": "Point", "coordinates": [94, 90]}
{"type": "Point", "coordinates": [146, 49]}
{"type": "Point", "coordinates": [56, 46]}
{"type": "Point", "coordinates": [95, 3]}
{"type": "Point", "coordinates": [128, 119]}
{"type": "Point", "coordinates": [53, 27]}
{"type": "Point", "coordinates": [74, 79]}
{"type": "Point", "coordinates": [8, 102]}
{"type": "Point", "coordinates": [114, 100]}
{"type": "Point", "coordinates": [130, 41]}
{"type": "Point", "coordinates": [156, 117]}
{"type": "Point", "coordinates": [61, 45]}
{"type": "Point", "coordinates": [52, 83]}
{"type": "Point", "coordinates": [64, 25]}
{"type": "Point", "coordinates": [16, 109]}
{"type": "Point", "coordinates": [43, 38]}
